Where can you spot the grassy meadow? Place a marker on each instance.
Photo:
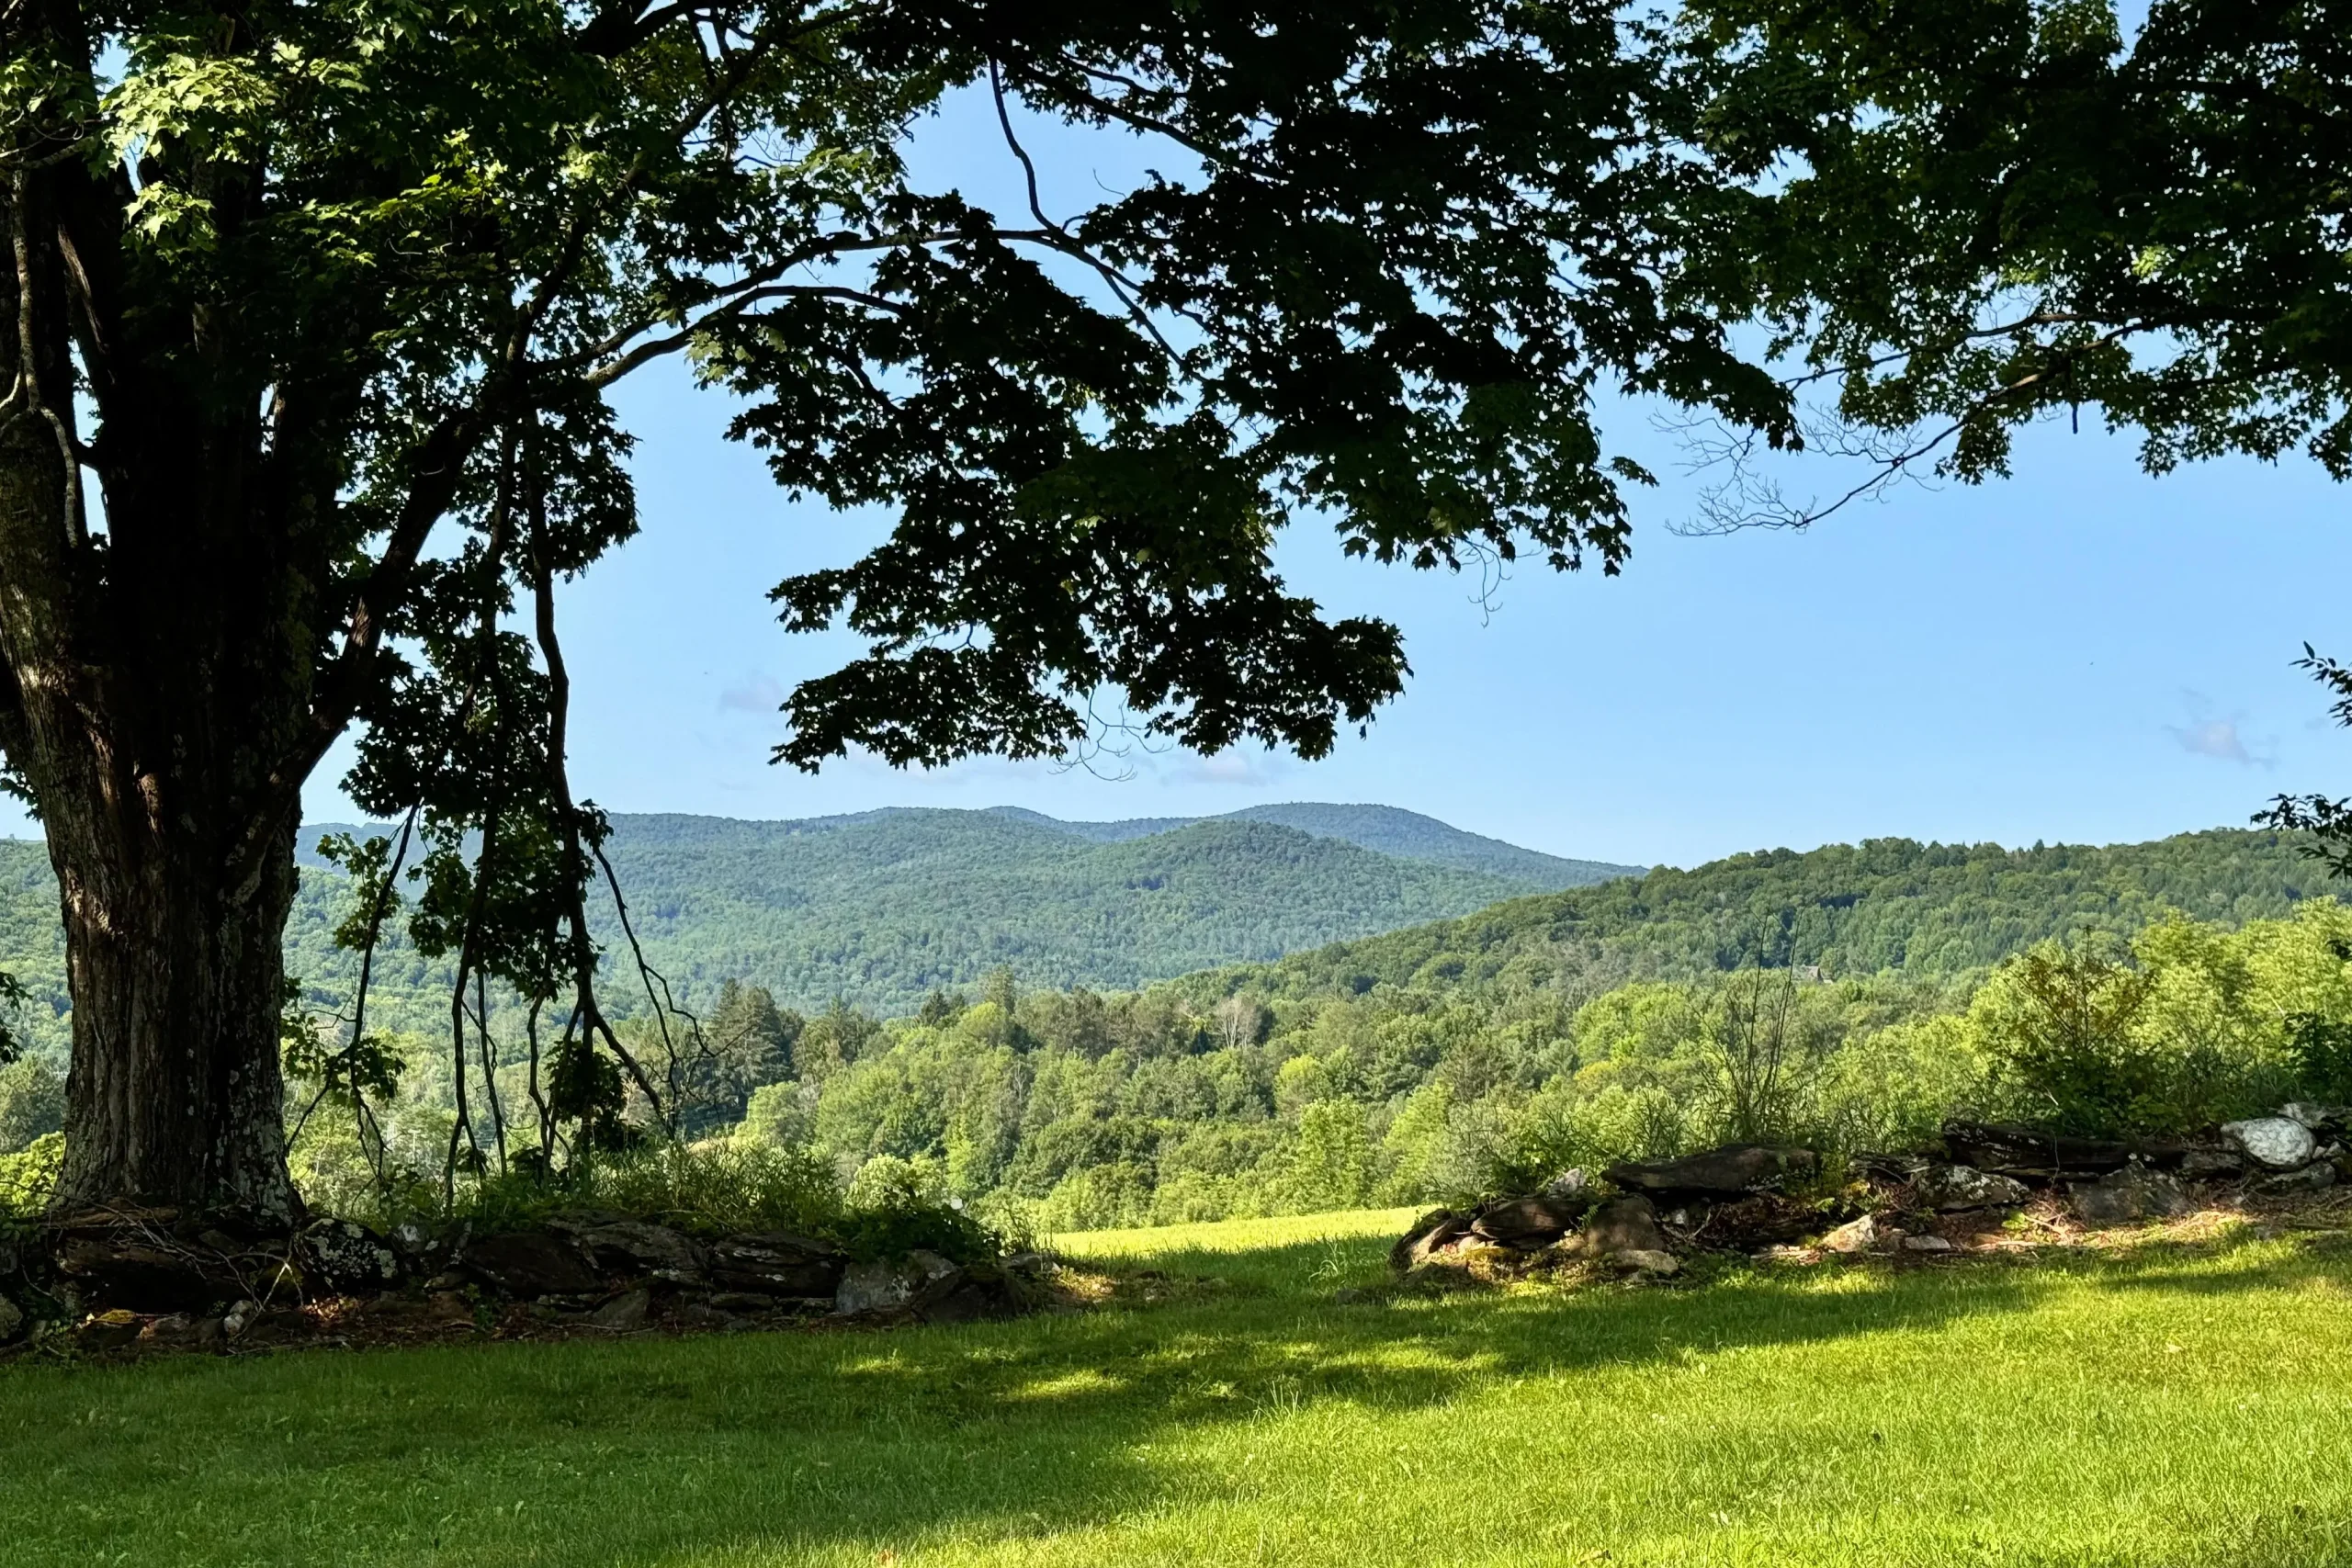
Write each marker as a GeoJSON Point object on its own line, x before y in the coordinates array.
{"type": "Point", "coordinates": [2167, 1404]}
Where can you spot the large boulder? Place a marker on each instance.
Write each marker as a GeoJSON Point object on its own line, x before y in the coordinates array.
{"type": "Point", "coordinates": [1621, 1225]}
{"type": "Point", "coordinates": [1526, 1225]}
{"type": "Point", "coordinates": [975, 1290]}
{"type": "Point", "coordinates": [2133, 1193]}
{"type": "Point", "coordinates": [12, 1320]}
{"type": "Point", "coordinates": [1729, 1172]}
{"type": "Point", "coordinates": [1432, 1231]}
{"type": "Point", "coordinates": [889, 1283]}
{"type": "Point", "coordinates": [777, 1263]}
{"type": "Point", "coordinates": [345, 1255]}
{"type": "Point", "coordinates": [634, 1247]}
{"type": "Point", "coordinates": [1951, 1188]}
{"type": "Point", "coordinates": [529, 1264]}
{"type": "Point", "coordinates": [2274, 1143]}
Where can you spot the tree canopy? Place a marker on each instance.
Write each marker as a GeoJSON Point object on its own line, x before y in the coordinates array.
{"type": "Point", "coordinates": [319, 306]}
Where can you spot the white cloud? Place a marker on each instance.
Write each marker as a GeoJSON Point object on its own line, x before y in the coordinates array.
{"type": "Point", "coordinates": [2208, 735]}
{"type": "Point", "coordinates": [756, 693]}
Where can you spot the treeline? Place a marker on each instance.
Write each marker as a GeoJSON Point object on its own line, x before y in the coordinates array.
{"type": "Point", "coordinates": [1072, 1110]}
{"type": "Point", "coordinates": [1063, 1109]}
{"type": "Point", "coordinates": [1852, 996]}
{"type": "Point", "coordinates": [1884, 904]}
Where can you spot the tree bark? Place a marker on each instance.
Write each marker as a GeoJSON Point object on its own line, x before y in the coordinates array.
{"type": "Point", "coordinates": [175, 1096]}
{"type": "Point", "coordinates": [156, 673]}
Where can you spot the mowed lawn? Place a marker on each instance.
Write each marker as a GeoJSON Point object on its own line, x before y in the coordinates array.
{"type": "Point", "coordinates": [2184, 1407]}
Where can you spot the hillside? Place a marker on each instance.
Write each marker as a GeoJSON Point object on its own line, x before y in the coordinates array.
{"type": "Point", "coordinates": [880, 908]}
{"type": "Point", "coordinates": [883, 909]}
{"type": "Point", "coordinates": [1885, 904]}
{"type": "Point", "coordinates": [1408, 835]}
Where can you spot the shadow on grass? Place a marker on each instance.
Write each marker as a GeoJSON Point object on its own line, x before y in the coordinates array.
{"type": "Point", "coordinates": [686, 1450]}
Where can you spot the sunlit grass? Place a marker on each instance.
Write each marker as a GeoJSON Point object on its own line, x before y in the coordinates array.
{"type": "Point", "coordinates": [1236, 1235]}
{"type": "Point", "coordinates": [2170, 1405]}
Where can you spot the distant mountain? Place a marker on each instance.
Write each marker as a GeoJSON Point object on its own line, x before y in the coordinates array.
{"type": "Point", "coordinates": [882, 907]}
{"type": "Point", "coordinates": [1385, 830]}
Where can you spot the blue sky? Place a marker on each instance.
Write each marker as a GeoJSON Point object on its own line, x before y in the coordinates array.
{"type": "Point", "coordinates": [2079, 654]}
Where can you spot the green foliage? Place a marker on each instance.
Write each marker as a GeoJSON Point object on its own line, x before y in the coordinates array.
{"type": "Point", "coordinates": [1076, 1110]}
{"type": "Point", "coordinates": [1969, 217]}
{"type": "Point", "coordinates": [895, 1205]}
{"type": "Point", "coordinates": [1883, 905]}
{"type": "Point", "coordinates": [28, 1176]}
{"type": "Point", "coordinates": [710, 1187]}
{"type": "Point", "coordinates": [32, 1103]}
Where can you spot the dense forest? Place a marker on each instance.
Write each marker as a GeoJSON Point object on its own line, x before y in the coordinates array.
{"type": "Point", "coordinates": [1852, 996]}
{"type": "Point", "coordinates": [882, 908]}
{"type": "Point", "coordinates": [1886, 982]}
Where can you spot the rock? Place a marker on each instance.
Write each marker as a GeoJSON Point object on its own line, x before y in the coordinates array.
{"type": "Point", "coordinates": [1762, 1220]}
{"type": "Point", "coordinates": [2274, 1143]}
{"type": "Point", "coordinates": [1951, 1188]}
{"type": "Point", "coordinates": [1790, 1255]}
{"type": "Point", "coordinates": [110, 1330]}
{"type": "Point", "coordinates": [776, 1263]}
{"type": "Point", "coordinates": [177, 1329]}
{"type": "Point", "coordinates": [136, 1270]}
{"type": "Point", "coordinates": [2316, 1176]}
{"type": "Point", "coordinates": [12, 1320]}
{"type": "Point", "coordinates": [1854, 1235]}
{"type": "Point", "coordinates": [349, 1256]}
{"type": "Point", "coordinates": [1527, 1225]}
{"type": "Point", "coordinates": [1569, 1186]}
{"type": "Point", "coordinates": [2318, 1118]}
{"type": "Point", "coordinates": [1031, 1265]}
{"type": "Point", "coordinates": [695, 1315]}
{"type": "Point", "coordinates": [239, 1318]}
{"type": "Point", "coordinates": [2042, 1157]}
{"type": "Point", "coordinates": [1728, 1172]}
{"type": "Point", "coordinates": [1621, 1225]}
{"type": "Point", "coordinates": [875, 1287]}
{"type": "Point", "coordinates": [1929, 1243]}
{"type": "Point", "coordinates": [529, 1264]}
{"type": "Point", "coordinates": [741, 1301]}
{"type": "Point", "coordinates": [634, 1247]}
{"type": "Point", "coordinates": [2133, 1193]}
{"type": "Point", "coordinates": [624, 1314]}
{"type": "Point", "coordinates": [1430, 1232]}
{"type": "Point", "coordinates": [974, 1292]}
{"type": "Point", "coordinates": [1645, 1261]}
{"type": "Point", "coordinates": [2204, 1165]}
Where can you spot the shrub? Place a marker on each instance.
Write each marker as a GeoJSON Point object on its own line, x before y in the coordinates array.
{"type": "Point", "coordinates": [896, 1205]}
{"type": "Point", "coordinates": [28, 1178]}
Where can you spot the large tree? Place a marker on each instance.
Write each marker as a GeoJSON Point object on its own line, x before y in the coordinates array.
{"type": "Point", "coordinates": [1960, 217]}
{"type": "Point", "coordinates": [314, 307]}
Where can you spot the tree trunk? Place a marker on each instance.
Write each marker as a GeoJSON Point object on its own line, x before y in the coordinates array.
{"type": "Point", "coordinates": [175, 1095]}
{"type": "Point", "coordinates": [152, 680]}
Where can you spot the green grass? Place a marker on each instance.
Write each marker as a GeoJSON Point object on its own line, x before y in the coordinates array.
{"type": "Point", "coordinates": [2173, 1407]}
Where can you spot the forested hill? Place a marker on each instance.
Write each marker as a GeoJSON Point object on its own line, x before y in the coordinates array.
{"type": "Point", "coordinates": [1885, 904]}
{"type": "Point", "coordinates": [883, 907]}
{"type": "Point", "coordinates": [1406, 834]}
